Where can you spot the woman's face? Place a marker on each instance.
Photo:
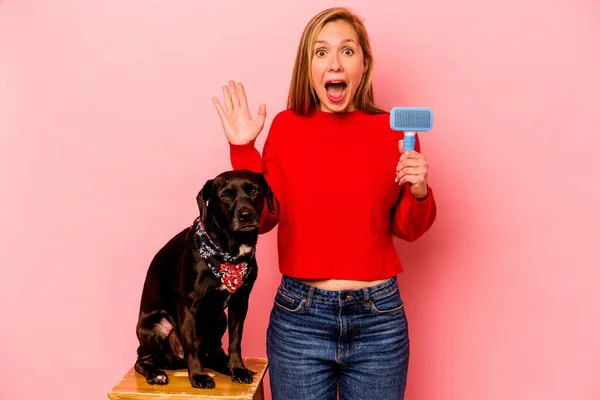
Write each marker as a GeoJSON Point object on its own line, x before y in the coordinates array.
{"type": "Point", "coordinates": [337, 66]}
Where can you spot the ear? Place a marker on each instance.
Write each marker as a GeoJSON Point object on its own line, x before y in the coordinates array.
{"type": "Point", "coordinates": [203, 196]}
{"type": "Point", "coordinates": [270, 198]}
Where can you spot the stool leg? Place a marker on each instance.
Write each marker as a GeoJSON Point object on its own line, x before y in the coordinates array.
{"type": "Point", "coordinates": [260, 392]}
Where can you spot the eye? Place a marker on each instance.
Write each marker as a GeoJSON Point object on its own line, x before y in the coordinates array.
{"type": "Point", "coordinates": [226, 194]}
{"type": "Point", "coordinates": [254, 191]}
{"type": "Point", "coordinates": [320, 53]}
{"type": "Point", "coordinates": [348, 51]}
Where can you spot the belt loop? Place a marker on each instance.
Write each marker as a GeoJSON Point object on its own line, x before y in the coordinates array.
{"type": "Point", "coordinates": [366, 301]}
{"type": "Point", "coordinates": [309, 295]}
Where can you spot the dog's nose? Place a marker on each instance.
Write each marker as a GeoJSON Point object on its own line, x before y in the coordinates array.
{"type": "Point", "coordinates": [245, 214]}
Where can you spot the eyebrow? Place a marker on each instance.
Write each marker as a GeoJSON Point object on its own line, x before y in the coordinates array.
{"type": "Point", "coordinates": [343, 41]}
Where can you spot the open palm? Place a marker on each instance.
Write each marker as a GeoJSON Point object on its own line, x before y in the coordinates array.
{"type": "Point", "coordinates": [238, 124]}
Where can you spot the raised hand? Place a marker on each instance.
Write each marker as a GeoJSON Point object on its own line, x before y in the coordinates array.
{"type": "Point", "coordinates": [412, 168]}
{"type": "Point", "coordinates": [238, 124]}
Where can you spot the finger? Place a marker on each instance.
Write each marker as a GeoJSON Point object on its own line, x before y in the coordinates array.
{"type": "Point", "coordinates": [417, 171]}
{"type": "Point", "coordinates": [401, 146]}
{"type": "Point", "coordinates": [411, 162]}
{"type": "Point", "coordinates": [412, 171]}
{"type": "Point", "coordinates": [413, 179]}
{"type": "Point", "coordinates": [411, 154]}
{"type": "Point", "coordinates": [409, 178]}
{"type": "Point", "coordinates": [219, 107]}
{"type": "Point", "coordinates": [403, 178]}
{"type": "Point", "coordinates": [408, 154]}
{"type": "Point", "coordinates": [234, 94]}
{"type": "Point", "coordinates": [227, 99]}
{"type": "Point", "coordinates": [242, 96]}
{"type": "Point", "coordinates": [262, 113]}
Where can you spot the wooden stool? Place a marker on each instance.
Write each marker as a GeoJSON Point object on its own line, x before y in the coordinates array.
{"type": "Point", "coordinates": [133, 386]}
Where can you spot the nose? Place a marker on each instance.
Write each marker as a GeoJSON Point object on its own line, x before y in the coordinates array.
{"type": "Point", "coordinates": [335, 63]}
{"type": "Point", "coordinates": [245, 214]}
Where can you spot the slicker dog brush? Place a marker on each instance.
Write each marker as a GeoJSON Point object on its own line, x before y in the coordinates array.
{"type": "Point", "coordinates": [411, 120]}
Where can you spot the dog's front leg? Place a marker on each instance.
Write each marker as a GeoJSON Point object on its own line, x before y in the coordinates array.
{"type": "Point", "coordinates": [189, 342]}
{"type": "Point", "coordinates": [238, 307]}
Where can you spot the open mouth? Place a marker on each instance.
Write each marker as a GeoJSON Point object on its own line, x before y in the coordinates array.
{"type": "Point", "coordinates": [336, 90]}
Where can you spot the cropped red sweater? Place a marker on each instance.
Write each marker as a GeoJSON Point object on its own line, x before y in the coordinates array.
{"type": "Point", "coordinates": [339, 207]}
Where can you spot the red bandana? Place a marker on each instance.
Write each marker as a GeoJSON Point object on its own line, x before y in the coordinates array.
{"type": "Point", "coordinates": [233, 275]}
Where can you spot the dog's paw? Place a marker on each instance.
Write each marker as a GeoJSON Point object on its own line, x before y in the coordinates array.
{"type": "Point", "coordinates": [157, 377]}
{"type": "Point", "coordinates": [202, 381]}
{"type": "Point", "coordinates": [242, 375]}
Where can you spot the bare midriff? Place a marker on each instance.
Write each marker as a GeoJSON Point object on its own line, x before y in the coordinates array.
{"type": "Point", "coordinates": [340, 284]}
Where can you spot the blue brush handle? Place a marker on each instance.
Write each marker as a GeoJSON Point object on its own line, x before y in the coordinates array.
{"type": "Point", "coordinates": [410, 139]}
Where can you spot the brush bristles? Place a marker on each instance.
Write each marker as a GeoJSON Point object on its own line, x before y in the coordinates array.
{"type": "Point", "coordinates": [411, 119]}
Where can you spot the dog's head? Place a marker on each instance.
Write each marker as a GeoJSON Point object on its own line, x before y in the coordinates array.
{"type": "Point", "coordinates": [236, 199]}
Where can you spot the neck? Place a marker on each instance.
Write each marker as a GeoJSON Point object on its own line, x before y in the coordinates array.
{"type": "Point", "coordinates": [236, 243]}
{"type": "Point", "coordinates": [227, 255]}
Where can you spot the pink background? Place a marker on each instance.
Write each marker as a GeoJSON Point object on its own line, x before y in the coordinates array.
{"type": "Point", "coordinates": [108, 131]}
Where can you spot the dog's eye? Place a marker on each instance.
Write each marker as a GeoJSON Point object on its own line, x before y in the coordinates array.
{"type": "Point", "coordinates": [254, 190]}
{"type": "Point", "coordinates": [226, 194]}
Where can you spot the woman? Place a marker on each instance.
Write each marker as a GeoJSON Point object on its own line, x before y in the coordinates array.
{"type": "Point", "coordinates": [330, 158]}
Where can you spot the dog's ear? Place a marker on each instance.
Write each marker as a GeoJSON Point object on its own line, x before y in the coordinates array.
{"type": "Point", "coordinates": [268, 194]}
{"type": "Point", "coordinates": [203, 196]}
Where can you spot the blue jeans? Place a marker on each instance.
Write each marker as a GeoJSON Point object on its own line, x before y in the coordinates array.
{"type": "Point", "coordinates": [319, 339]}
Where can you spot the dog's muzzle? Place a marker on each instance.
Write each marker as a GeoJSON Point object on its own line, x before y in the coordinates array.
{"type": "Point", "coordinates": [245, 219]}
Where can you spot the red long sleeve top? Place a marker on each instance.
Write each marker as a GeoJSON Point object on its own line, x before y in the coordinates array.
{"type": "Point", "coordinates": [339, 207]}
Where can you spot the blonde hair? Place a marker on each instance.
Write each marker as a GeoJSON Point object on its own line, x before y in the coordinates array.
{"type": "Point", "coordinates": [302, 98]}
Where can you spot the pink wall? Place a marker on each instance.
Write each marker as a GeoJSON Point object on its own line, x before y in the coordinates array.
{"type": "Point", "coordinates": [107, 132]}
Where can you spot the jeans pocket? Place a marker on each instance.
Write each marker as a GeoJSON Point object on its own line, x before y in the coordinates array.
{"type": "Point", "coordinates": [390, 304]}
{"type": "Point", "coordinates": [289, 302]}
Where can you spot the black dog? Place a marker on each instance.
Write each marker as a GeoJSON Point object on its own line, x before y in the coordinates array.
{"type": "Point", "coordinates": [195, 276]}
